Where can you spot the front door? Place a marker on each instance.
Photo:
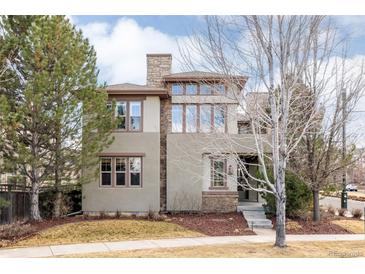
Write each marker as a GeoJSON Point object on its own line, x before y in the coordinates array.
{"type": "Point", "coordinates": [244, 192]}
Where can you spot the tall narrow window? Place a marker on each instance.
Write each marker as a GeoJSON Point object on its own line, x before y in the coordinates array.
{"type": "Point", "coordinates": [177, 118]}
{"type": "Point", "coordinates": [205, 89]}
{"type": "Point", "coordinates": [191, 118]}
{"type": "Point", "coordinates": [177, 89]}
{"type": "Point", "coordinates": [106, 171]}
{"type": "Point", "coordinates": [135, 171]}
{"type": "Point", "coordinates": [121, 113]}
{"type": "Point", "coordinates": [219, 118]}
{"type": "Point", "coordinates": [205, 118]}
{"type": "Point", "coordinates": [135, 116]}
{"type": "Point", "coordinates": [120, 171]}
{"type": "Point", "coordinates": [218, 170]}
{"type": "Point", "coordinates": [191, 89]}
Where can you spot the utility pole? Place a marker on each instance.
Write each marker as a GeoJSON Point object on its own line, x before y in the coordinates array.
{"type": "Point", "coordinates": [344, 170]}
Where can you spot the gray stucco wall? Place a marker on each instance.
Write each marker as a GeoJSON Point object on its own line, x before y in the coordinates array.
{"type": "Point", "coordinates": [144, 199]}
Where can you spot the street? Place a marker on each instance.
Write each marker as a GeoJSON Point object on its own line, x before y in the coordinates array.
{"type": "Point", "coordinates": [336, 203]}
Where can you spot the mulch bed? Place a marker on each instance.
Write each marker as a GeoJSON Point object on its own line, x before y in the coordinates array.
{"type": "Point", "coordinates": [224, 224]}
{"type": "Point", "coordinates": [309, 227]}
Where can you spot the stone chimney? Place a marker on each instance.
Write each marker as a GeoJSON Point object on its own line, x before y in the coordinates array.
{"type": "Point", "coordinates": [158, 65]}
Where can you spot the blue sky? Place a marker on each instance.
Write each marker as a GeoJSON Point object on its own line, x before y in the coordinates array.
{"type": "Point", "coordinates": [122, 42]}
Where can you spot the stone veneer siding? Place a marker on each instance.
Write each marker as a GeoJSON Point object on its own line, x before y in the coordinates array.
{"type": "Point", "coordinates": [158, 66]}
{"type": "Point", "coordinates": [165, 119]}
{"type": "Point", "coordinates": [219, 201]}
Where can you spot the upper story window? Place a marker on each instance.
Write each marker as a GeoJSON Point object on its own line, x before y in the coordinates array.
{"type": "Point", "coordinates": [177, 89]}
{"type": "Point", "coordinates": [205, 118]}
{"type": "Point", "coordinates": [205, 89]}
{"type": "Point", "coordinates": [129, 115]}
{"type": "Point", "coordinates": [135, 116]}
{"type": "Point", "coordinates": [191, 118]}
{"type": "Point", "coordinates": [191, 89]}
{"type": "Point", "coordinates": [198, 89]}
{"type": "Point", "coordinates": [177, 118]}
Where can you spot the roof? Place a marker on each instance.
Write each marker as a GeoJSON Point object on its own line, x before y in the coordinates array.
{"type": "Point", "coordinates": [200, 75]}
{"type": "Point", "coordinates": [134, 89]}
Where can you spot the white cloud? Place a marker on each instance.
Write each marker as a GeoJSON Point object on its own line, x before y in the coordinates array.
{"type": "Point", "coordinates": [122, 48]}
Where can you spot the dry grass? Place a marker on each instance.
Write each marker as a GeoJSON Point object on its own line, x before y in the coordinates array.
{"type": "Point", "coordinates": [355, 226]}
{"type": "Point", "coordinates": [258, 250]}
{"type": "Point", "coordinates": [107, 230]}
{"type": "Point", "coordinates": [293, 225]}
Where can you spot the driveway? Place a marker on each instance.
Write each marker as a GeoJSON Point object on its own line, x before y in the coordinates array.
{"type": "Point", "coordinates": [336, 203]}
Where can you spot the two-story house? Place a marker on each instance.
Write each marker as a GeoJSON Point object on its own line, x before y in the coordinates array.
{"type": "Point", "coordinates": [173, 145]}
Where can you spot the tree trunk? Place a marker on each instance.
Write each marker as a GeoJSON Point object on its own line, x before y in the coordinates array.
{"type": "Point", "coordinates": [34, 206]}
{"type": "Point", "coordinates": [57, 204]}
{"type": "Point", "coordinates": [280, 240]}
{"type": "Point", "coordinates": [316, 211]}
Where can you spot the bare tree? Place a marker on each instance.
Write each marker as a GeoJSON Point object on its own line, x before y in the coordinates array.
{"type": "Point", "coordinates": [274, 52]}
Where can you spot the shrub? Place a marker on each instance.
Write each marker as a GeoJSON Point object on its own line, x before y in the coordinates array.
{"type": "Point", "coordinates": [15, 231]}
{"type": "Point", "coordinates": [331, 210]}
{"type": "Point", "coordinates": [298, 195]}
{"type": "Point", "coordinates": [341, 212]}
{"type": "Point", "coordinates": [357, 213]}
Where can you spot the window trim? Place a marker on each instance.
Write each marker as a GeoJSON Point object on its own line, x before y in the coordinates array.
{"type": "Point", "coordinates": [212, 187]}
{"type": "Point", "coordinates": [113, 157]}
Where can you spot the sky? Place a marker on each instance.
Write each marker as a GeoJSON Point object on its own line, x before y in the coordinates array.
{"type": "Point", "coordinates": [122, 42]}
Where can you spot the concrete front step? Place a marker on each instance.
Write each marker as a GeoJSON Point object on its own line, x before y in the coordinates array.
{"type": "Point", "coordinates": [255, 216]}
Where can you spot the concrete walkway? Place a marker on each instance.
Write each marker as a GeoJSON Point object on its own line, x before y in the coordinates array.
{"type": "Point", "coordinates": [55, 250]}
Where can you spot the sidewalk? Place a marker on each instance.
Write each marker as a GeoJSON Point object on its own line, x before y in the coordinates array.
{"type": "Point", "coordinates": [55, 250]}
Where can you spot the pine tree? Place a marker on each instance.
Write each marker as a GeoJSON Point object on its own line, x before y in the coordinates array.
{"type": "Point", "coordinates": [62, 120]}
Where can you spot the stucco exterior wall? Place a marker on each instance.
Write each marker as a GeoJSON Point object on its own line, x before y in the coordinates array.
{"type": "Point", "coordinates": [144, 199]}
{"type": "Point", "coordinates": [151, 114]}
{"type": "Point", "coordinates": [188, 167]}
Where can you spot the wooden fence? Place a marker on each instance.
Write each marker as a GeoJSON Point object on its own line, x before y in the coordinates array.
{"type": "Point", "coordinates": [19, 199]}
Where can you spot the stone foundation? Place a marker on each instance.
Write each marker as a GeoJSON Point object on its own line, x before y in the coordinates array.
{"type": "Point", "coordinates": [219, 201]}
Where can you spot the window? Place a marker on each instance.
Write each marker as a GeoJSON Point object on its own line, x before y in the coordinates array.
{"type": "Point", "coordinates": [121, 114]}
{"type": "Point", "coordinates": [205, 89]}
{"type": "Point", "coordinates": [106, 171]}
{"type": "Point", "coordinates": [128, 115]}
{"type": "Point", "coordinates": [177, 118]}
{"type": "Point", "coordinates": [135, 116]}
{"type": "Point", "coordinates": [177, 89]}
{"type": "Point", "coordinates": [191, 118]}
{"type": "Point", "coordinates": [219, 89]}
{"type": "Point", "coordinates": [219, 118]}
{"type": "Point", "coordinates": [120, 171]}
{"type": "Point", "coordinates": [205, 118]}
{"type": "Point", "coordinates": [191, 89]}
{"type": "Point", "coordinates": [218, 173]}
{"type": "Point", "coordinates": [135, 171]}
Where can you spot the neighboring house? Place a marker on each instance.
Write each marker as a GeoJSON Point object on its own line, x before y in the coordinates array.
{"type": "Point", "coordinates": [164, 156]}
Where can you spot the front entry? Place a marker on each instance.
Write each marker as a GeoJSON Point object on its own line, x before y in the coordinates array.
{"type": "Point", "coordinates": [244, 193]}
